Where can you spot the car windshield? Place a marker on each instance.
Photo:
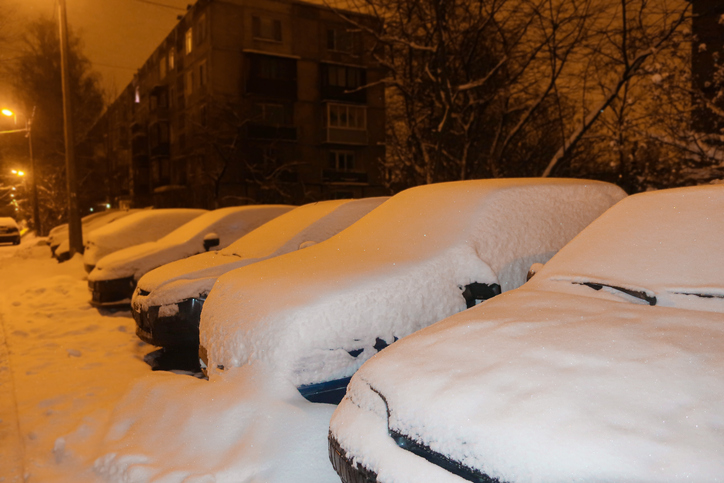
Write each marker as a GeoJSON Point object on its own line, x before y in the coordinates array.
{"type": "Point", "coordinates": [659, 248]}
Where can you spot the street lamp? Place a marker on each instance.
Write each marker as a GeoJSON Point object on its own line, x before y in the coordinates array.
{"type": "Point", "coordinates": [29, 134]}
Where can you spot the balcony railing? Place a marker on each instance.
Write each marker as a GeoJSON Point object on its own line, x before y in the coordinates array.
{"type": "Point", "coordinates": [346, 136]}
{"type": "Point", "coordinates": [263, 131]}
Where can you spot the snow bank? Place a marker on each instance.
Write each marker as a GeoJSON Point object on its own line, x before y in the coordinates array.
{"type": "Point", "coordinates": [401, 268]}
{"type": "Point", "coordinates": [228, 224]}
{"type": "Point", "coordinates": [66, 365]}
{"type": "Point", "coordinates": [249, 427]}
{"type": "Point", "coordinates": [539, 386]}
{"type": "Point", "coordinates": [135, 229]}
{"type": "Point", "coordinates": [194, 277]}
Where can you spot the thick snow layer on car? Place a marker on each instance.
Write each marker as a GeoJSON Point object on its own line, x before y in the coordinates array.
{"type": "Point", "coordinates": [317, 314]}
{"type": "Point", "coordinates": [109, 216]}
{"type": "Point", "coordinates": [563, 381]}
{"type": "Point", "coordinates": [227, 224]}
{"type": "Point", "coordinates": [308, 224]}
{"type": "Point", "coordinates": [541, 386]}
{"type": "Point", "coordinates": [665, 243]}
{"type": "Point", "coordinates": [145, 226]}
{"type": "Point", "coordinates": [7, 222]}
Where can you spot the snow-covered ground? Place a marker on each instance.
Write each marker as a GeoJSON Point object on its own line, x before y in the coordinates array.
{"type": "Point", "coordinates": [78, 403]}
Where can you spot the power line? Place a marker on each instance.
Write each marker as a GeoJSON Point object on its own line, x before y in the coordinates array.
{"type": "Point", "coordinates": [113, 66]}
{"type": "Point", "coordinates": [162, 5]}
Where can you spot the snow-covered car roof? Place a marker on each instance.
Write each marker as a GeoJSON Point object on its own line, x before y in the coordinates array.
{"type": "Point", "coordinates": [558, 381]}
{"type": "Point", "coordinates": [225, 224]}
{"type": "Point", "coordinates": [6, 221]}
{"type": "Point", "coordinates": [141, 227]}
{"type": "Point", "coordinates": [60, 239]}
{"type": "Point", "coordinates": [404, 266]}
{"type": "Point", "coordinates": [194, 276]}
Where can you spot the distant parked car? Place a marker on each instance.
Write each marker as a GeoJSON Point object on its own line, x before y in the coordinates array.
{"type": "Point", "coordinates": [167, 302]}
{"type": "Point", "coordinates": [606, 366]}
{"type": "Point", "coordinates": [425, 254]}
{"type": "Point", "coordinates": [113, 279]}
{"type": "Point", "coordinates": [9, 231]}
{"type": "Point", "coordinates": [141, 227]}
{"type": "Point", "coordinates": [59, 244]}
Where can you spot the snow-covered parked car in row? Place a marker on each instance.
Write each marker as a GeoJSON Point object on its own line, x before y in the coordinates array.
{"type": "Point", "coordinates": [608, 365]}
{"type": "Point", "coordinates": [60, 245]}
{"type": "Point", "coordinates": [167, 302]}
{"type": "Point", "coordinates": [9, 230]}
{"type": "Point", "coordinates": [114, 278]}
{"type": "Point", "coordinates": [134, 229]}
{"type": "Point", "coordinates": [427, 253]}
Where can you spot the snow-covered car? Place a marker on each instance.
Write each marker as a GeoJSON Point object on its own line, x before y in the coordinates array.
{"type": "Point", "coordinates": [167, 302]}
{"type": "Point", "coordinates": [141, 227]}
{"type": "Point", "coordinates": [59, 243]}
{"type": "Point", "coordinates": [427, 253]}
{"type": "Point", "coordinates": [608, 365]}
{"type": "Point", "coordinates": [114, 278]}
{"type": "Point", "coordinates": [9, 231]}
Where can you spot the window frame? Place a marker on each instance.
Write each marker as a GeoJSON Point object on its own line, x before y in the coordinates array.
{"type": "Point", "coordinates": [260, 26]}
{"type": "Point", "coordinates": [347, 125]}
{"type": "Point", "coordinates": [335, 155]}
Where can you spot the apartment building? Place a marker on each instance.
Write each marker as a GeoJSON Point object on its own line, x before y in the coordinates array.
{"type": "Point", "coordinates": [249, 101]}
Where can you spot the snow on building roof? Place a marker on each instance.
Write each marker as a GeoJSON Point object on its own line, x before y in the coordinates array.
{"type": "Point", "coordinates": [400, 268]}
{"type": "Point", "coordinates": [226, 224]}
{"type": "Point", "coordinates": [141, 227]}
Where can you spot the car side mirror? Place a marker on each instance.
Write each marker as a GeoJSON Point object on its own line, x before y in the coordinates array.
{"type": "Point", "coordinates": [211, 240]}
{"type": "Point", "coordinates": [306, 244]}
{"type": "Point", "coordinates": [535, 268]}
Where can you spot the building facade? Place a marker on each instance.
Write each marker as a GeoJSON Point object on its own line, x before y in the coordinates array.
{"type": "Point", "coordinates": [248, 101]}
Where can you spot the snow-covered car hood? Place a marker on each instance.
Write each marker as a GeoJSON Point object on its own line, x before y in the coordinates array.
{"type": "Point", "coordinates": [195, 276]}
{"type": "Point", "coordinates": [318, 314]}
{"type": "Point", "coordinates": [542, 386]}
{"type": "Point", "coordinates": [226, 225]}
{"type": "Point", "coordinates": [184, 279]}
{"type": "Point", "coordinates": [144, 226]}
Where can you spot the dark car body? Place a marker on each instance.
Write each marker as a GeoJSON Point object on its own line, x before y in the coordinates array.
{"type": "Point", "coordinates": [9, 231]}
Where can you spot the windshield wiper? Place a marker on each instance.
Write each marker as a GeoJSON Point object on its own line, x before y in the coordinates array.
{"type": "Point", "coordinates": [702, 295]}
{"type": "Point", "coordinates": [641, 295]}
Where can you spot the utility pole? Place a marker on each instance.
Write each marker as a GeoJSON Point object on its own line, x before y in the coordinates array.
{"type": "Point", "coordinates": [75, 231]}
{"type": "Point", "coordinates": [36, 207]}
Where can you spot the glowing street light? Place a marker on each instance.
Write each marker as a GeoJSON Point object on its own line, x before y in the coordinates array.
{"type": "Point", "coordinates": [29, 134]}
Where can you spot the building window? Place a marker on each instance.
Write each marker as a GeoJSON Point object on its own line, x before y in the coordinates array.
{"type": "Point", "coordinates": [171, 58]}
{"type": "Point", "coordinates": [275, 68]}
{"type": "Point", "coordinates": [266, 28]}
{"type": "Point", "coordinates": [272, 114]}
{"type": "Point", "coordinates": [201, 29]}
{"type": "Point", "coordinates": [189, 83]}
{"type": "Point", "coordinates": [344, 76]}
{"type": "Point", "coordinates": [343, 116]}
{"type": "Point", "coordinates": [341, 40]}
{"type": "Point", "coordinates": [189, 40]}
{"type": "Point", "coordinates": [341, 160]}
{"type": "Point", "coordinates": [202, 74]}
{"type": "Point", "coordinates": [162, 68]}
